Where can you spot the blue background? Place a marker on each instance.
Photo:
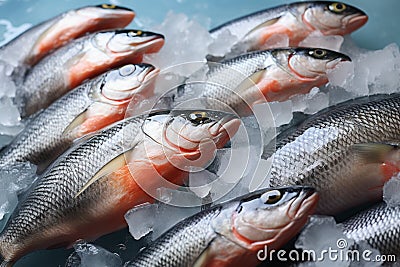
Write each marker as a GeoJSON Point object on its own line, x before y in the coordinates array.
{"type": "Point", "coordinates": [381, 30]}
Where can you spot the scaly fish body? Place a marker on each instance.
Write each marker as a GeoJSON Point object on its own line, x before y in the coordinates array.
{"type": "Point", "coordinates": [296, 21]}
{"type": "Point", "coordinates": [379, 226]}
{"type": "Point", "coordinates": [342, 152]}
{"type": "Point", "coordinates": [87, 191]}
{"type": "Point", "coordinates": [82, 59]}
{"type": "Point", "coordinates": [32, 45]}
{"type": "Point", "coordinates": [230, 234]}
{"type": "Point", "coordinates": [270, 75]}
{"type": "Point", "coordinates": [90, 107]}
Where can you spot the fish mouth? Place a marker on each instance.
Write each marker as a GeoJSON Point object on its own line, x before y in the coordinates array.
{"type": "Point", "coordinates": [220, 132]}
{"type": "Point", "coordinates": [334, 62]}
{"type": "Point", "coordinates": [354, 22]}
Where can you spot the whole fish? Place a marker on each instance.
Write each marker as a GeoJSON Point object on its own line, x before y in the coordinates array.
{"type": "Point", "coordinates": [296, 21]}
{"type": "Point", "coordinates": [379, 226]}
{"type": "Point", "coordinates": [345, 152]}
{"type": "Point", "coordinates": [271, 75]}
{"type": "Point", "coordinates": [233, 233]}
{"type": "Point", "coordinates": [82, 59]}
{"type": "Point", "coordinates": [87, 191]}
{"type": "Point", "coordinates": [91, 106]}
{"type": "Point", "coordinates": [33, 44]}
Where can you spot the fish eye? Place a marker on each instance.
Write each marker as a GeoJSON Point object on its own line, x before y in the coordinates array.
{"type": "Point", "coordinates": [199, 117]}
{"type": "Point", "coordinates": [271, 197]}
{"type": "Point", "coordinates": [317, 53]}
{"type": "Point", "coordinates": [337, 7]}
{"type": "Point", "coordinates": [105, 6]}
{"type": "Point", "coordinates": [127, 70]}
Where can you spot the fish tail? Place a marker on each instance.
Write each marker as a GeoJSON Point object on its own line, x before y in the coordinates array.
{"type": "Point", "coordinates": [3, 262]}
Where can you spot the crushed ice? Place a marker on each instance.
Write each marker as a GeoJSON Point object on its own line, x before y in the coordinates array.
{"type": "Point", "coordinates": [391, 191]}
{"type": "Point", "coordinates": [93, 255]}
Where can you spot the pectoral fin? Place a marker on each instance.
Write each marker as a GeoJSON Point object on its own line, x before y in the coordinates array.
{"type": "Point", "coordinates": [112, 166]}
{"type": "Point", "coordinates": [375, 152]}
{"type": "Point", "coordinates": [263, 25]}
{"type": "Point", "coordinates": [78, 121]}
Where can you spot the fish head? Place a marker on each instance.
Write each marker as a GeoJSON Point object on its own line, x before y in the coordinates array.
{"type": "Point", "coordinates": [129, 41]}
{"type": "Point", "coordinates": [76, 23]}
{"type": "Point", "coordinates": [333, 18]}
{"type": "Point", "coordinates": [308, 63]}
{"type": "Point", "coordinates": [192, 132]}
{"type": "Point", "coordinates": [108, 16]}
{"type": "Point", "coordinates": [268, 217]}
{"type": "Point", "coordinates": [122, 84]}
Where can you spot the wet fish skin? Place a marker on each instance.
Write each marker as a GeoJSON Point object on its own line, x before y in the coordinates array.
{"type": "Point", "coordinates": [54, 215]}
{"type": "Point", "coordinates": [323, 152]}
{"type": "Point", "coordinates": [379, 226]}
{"type": "Point", "coordinates": [277, 73]}
{"type": "Point", "coordinates": [36, 42]}
{"type": "Point", "coordinates": [79, 60]}
{"type": "Point", "coordinates": [296, 20]}
{"type": "Point", "coordinates": [213, 236]}
{"type": "Point", "coordinates": [45, 136]}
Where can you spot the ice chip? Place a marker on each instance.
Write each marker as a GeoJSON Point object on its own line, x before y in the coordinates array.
{"type": "Point", "coordinates": [341, 73]}
{"type": "Point", "coordinates": [200, 182]}
{"type": "Point", "coordinates": [9, 115]}
{"type": "Point", "coordinates": [310, 103]}
{"type": "Point", "coordinates": [141, 219]}
{"type": "Point", "coordinates": [391, 191]}
{"type": "Point", "coordinates": [321, 234]}
{"type": "Point", "coordinates": [221, 44]}
{"type": "Point", "coordinates": [14, 179]}
{"type": "Point", "coordinates": [180, 34]}
{"type": "Point", "coordinates": [318, 40]}
{"type": "Point", "coordinates": [282, 112]}
{"type": "Point", "coordinates": [92, 255]}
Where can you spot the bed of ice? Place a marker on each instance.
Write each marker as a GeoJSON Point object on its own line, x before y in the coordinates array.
{"type": "Point", "coordinates": [370, 72]}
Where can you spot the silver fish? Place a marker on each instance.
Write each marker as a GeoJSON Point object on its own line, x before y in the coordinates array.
{"type": "Point", "coordinates": [90, 107]}
{"type": "Point", "coordinates": [379, 226]}
{"type": "Point", "coordinates": [33, 44]}
{"type": "Point", "coordinates": [232, 233]}
{"type": "Point", "coordinates": [87, 191]}
{"type": "Point", "coordinates": [82, 59]}
{"type": "Point", "coordinates": [270, 75]}
{"type": "Point", "coordinates": [296, 21]}
{"type": "Point", "coordinates": [345, 152]}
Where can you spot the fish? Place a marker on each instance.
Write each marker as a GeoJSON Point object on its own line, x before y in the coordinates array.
{"type": "Point", "coordinates": [86, 109]}
{"type": "Point", "coordinates": [297, 20]}
{"type": "Point", "coordinates": [33, 44]}
{"type": "Point", "coordinates": [233, 233]}
{"type": "Point", "coordinates": [379, 226]}
{"type": "Point", "coordinates": [346, 152]}
{"type": "Point", "coordinates": [87, 190]}
{"type": "Point", "coordinates": [256, 77]}
{"type": "Point", "coordinates": [82, 59]}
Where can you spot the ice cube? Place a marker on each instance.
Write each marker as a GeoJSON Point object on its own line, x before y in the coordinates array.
{"type": "Point", "coordinates": [222, 43]}
{"type": "Point", "coordinates": [282, 112]}
{"type": "Point", "coordinates": [14, 180]}
{"type": "Point", "coordinates": [323, 234]}
{"type": "Point", "coordinates": [391, 191]}
{"type": "Point", "coordinates": [200, 182]}
{"type": "Point", "coordinates": [180, 34]}
{"type": "Point", "coordinates": [318, 40]}
{"type": "Point", "coordinates": [341, 73]}
{"type": "Point", "coordinates": [141, 219]}
{"type": "Point", "coordinates": [93, 255]}
{"type": "Point", "coordinates": [310, 103]}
